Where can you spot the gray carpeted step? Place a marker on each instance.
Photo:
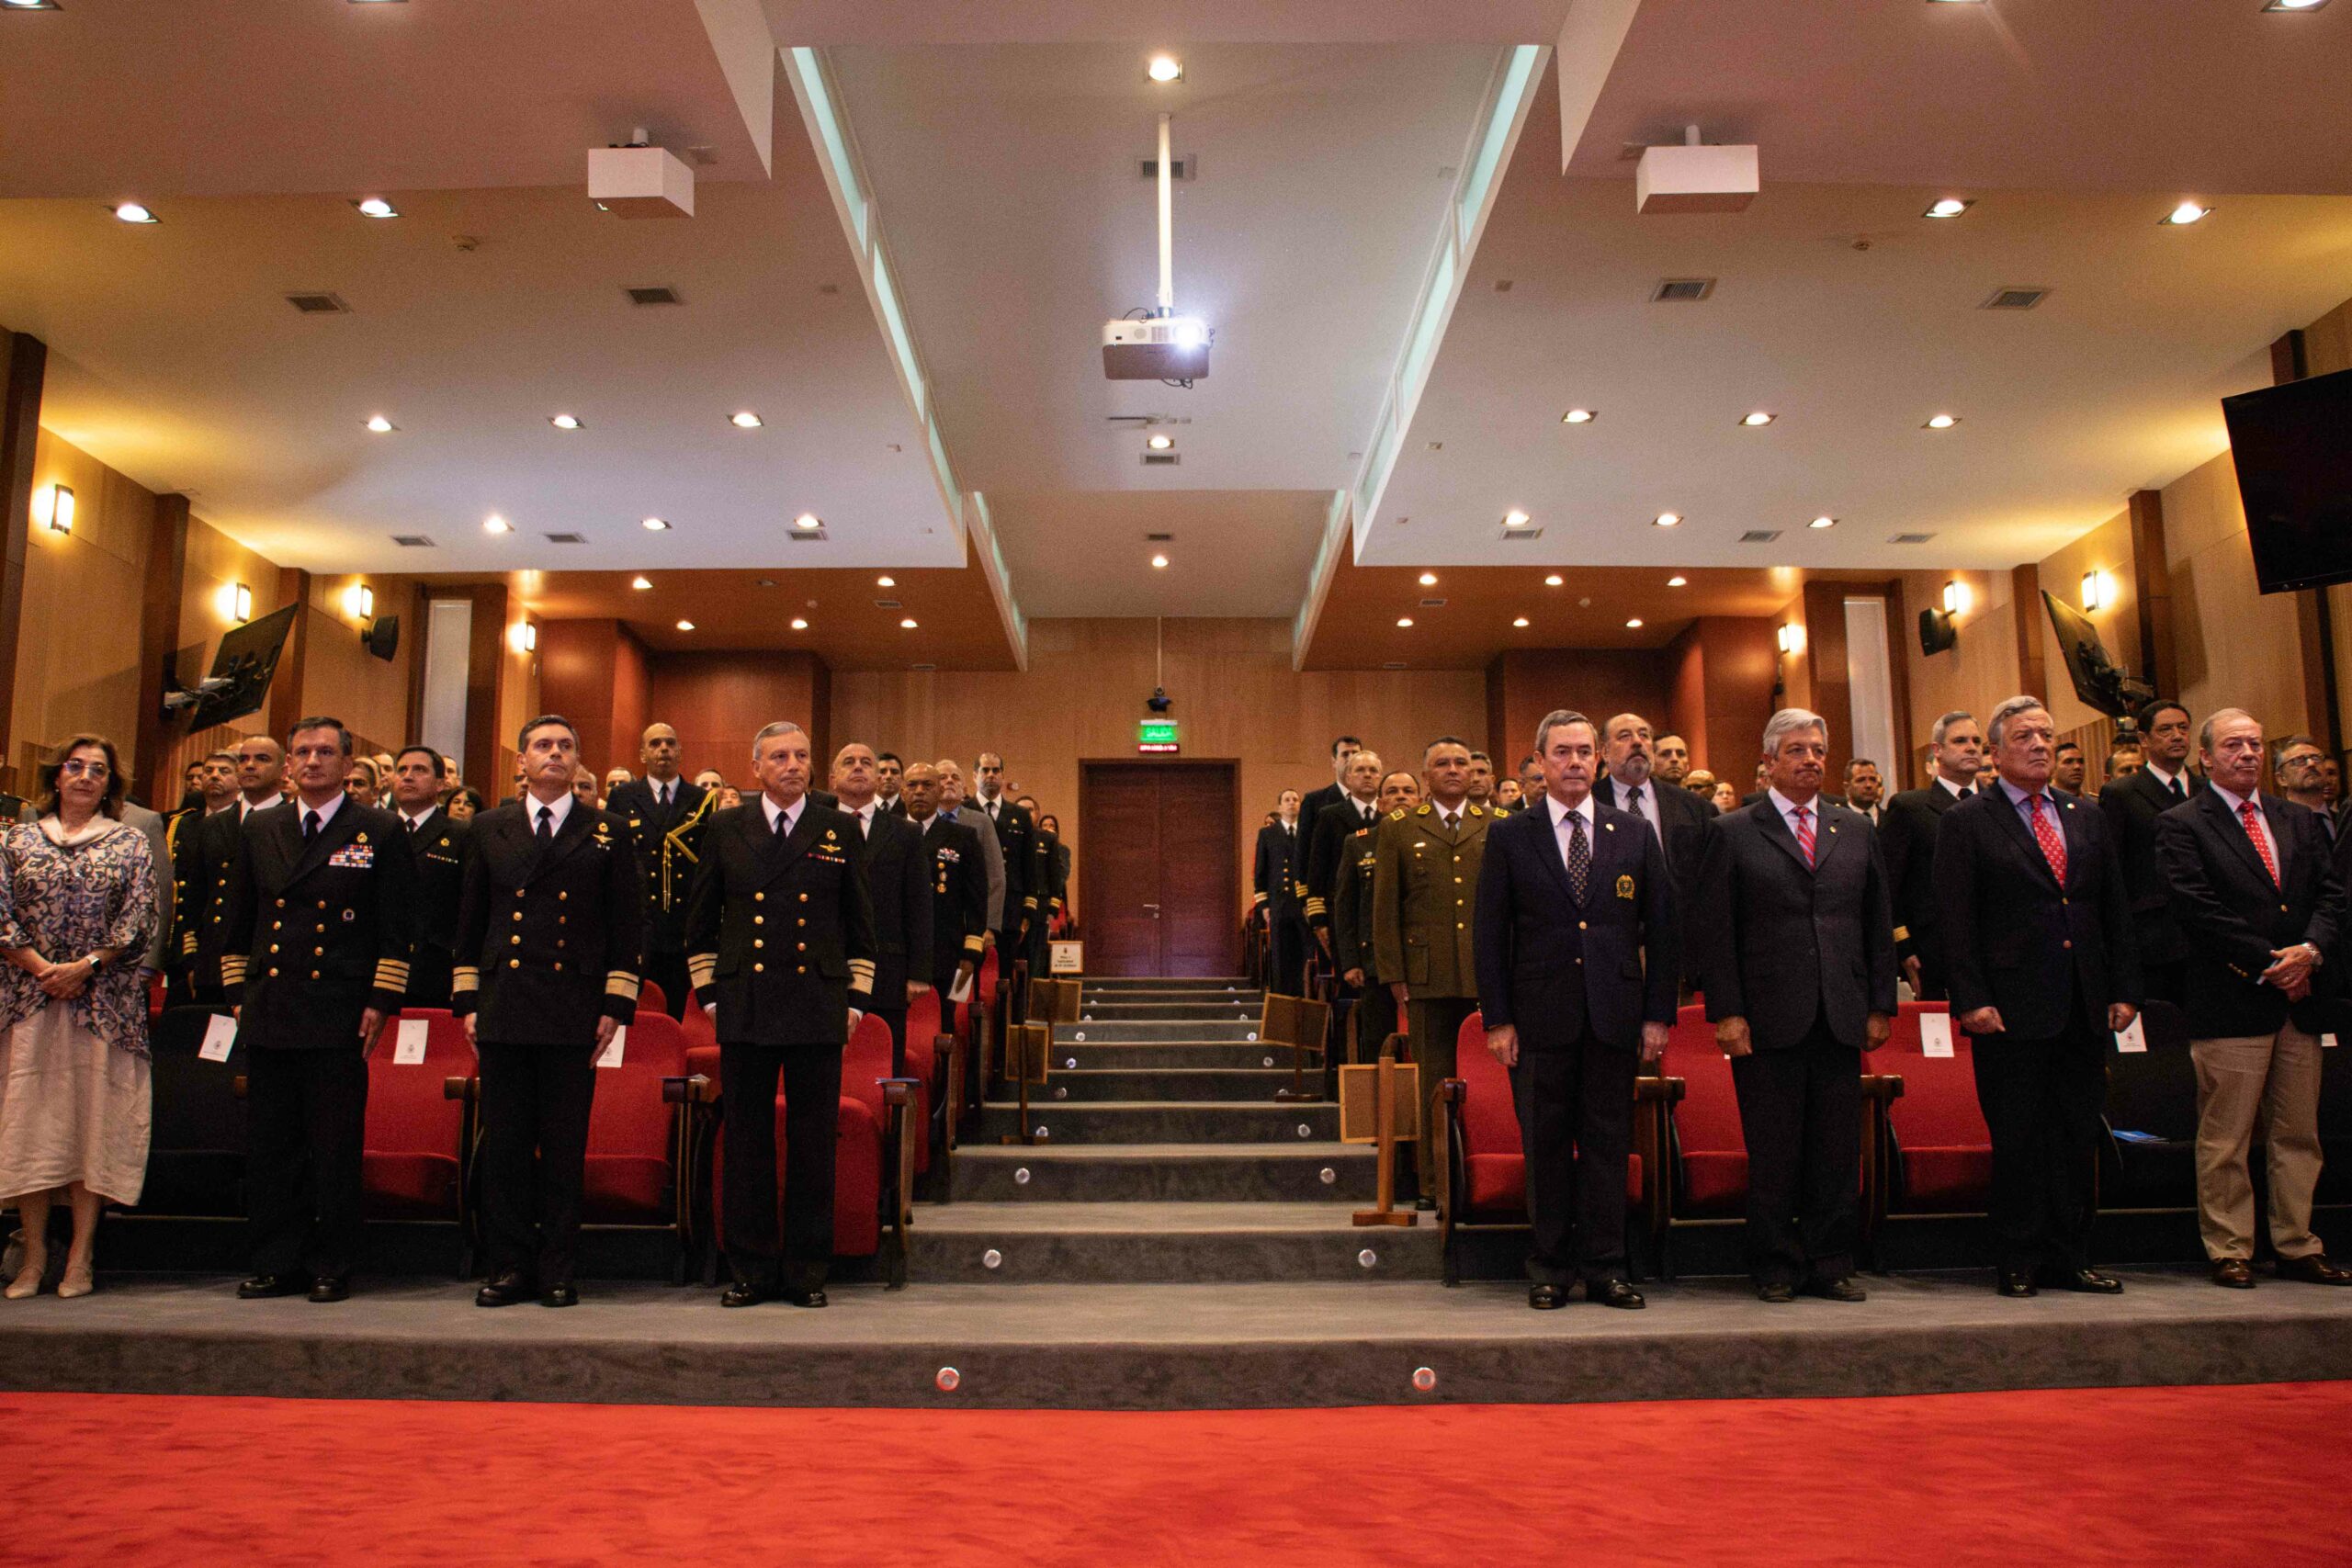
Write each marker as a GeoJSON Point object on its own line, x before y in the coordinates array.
{"type": "Point", "coordinates": [1129, 1030]}
{"type": "Point", "coordinates": [1173, 1053]}
{"type": "Point", "coordinates": [1144, 1243]}
{"type": "Point", "coordinates": [1187, 1173]}
{"type": "Point", "coordinates": [1106, 1009]}
{"type": "Point", "coordinates": [1251, 1083]}
{"type": "Point", "coordinates": [1148, 1121]}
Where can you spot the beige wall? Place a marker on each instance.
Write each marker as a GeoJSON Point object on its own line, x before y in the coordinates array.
{"type": "Point", "coordinates": [2236, 647]}
{"type": "Point", "coordinates": [1975, 674]}
{"type": "Point", "coordinates": [77, 658]}
{"type": "Point", "coordinates": [1236, 695]}
{"type": "Point", "coordinates": [2107, 548]}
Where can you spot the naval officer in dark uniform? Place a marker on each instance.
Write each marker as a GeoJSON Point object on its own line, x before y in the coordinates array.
{"type": "Point", "coordinates": [780, 946]}
{"type": "Point", "coordinates": [550, 928]}
{"type": "Point", "coordinates": [667, 817]}
{"type": "Point", "coordinates": [438, 844]}
{"type": "Point", "coordinates": [318, 936]}
{"type": "Point", "coordinates": [897, 883]}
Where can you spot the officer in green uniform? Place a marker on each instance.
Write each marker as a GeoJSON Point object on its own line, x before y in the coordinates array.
{"type": "Point", "coordinates": [1425, 874]}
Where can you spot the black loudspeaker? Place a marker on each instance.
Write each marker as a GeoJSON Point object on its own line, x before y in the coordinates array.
{"type": "Point", "coordinates": [383, 636]}
{"type": "Point", "coordinates": [1937, 632]}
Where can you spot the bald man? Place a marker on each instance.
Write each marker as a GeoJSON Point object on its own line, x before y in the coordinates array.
{"type": "Point", "coordinates": [666, 815]}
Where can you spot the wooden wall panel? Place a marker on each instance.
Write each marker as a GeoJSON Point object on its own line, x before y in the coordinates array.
{"type": "Point", "coordinates": [2236, 647]}
{"type": "Point", "coordinates": [1824, 657]}
{"type": "Point", "coordinates": [1686, 700]}
{"type": "Point", "coordinates": [1236, 695]}
{"type": "Point", "coordinates": [1976, 674]}
{"type": "Point", "coordinates": [77, 654]}
{"type": "Point", "coordinates": [718, 701]}
{"type": "Point", "coordinates": [1741, 660]}
{"type": "Point", "coordinates": [341, 678]}
{"type": "Point", "coordinates": [2108, 548]}
{"type": "Point", "coordinates": [1527, 683]}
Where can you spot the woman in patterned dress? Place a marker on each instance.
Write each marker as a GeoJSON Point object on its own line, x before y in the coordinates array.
{"type": "Point", "coordinates": [77, 907]}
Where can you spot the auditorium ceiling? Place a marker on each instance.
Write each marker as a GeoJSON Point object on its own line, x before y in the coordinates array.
{"type": "Point", "coordinates": [999, 148]}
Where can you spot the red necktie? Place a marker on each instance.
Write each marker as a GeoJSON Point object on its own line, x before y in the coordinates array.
{"type": "Point", "coordinates": [2052, 843]}
{"type": "Point", "coordinates": [2251, 815]}
{"type": "Point", "coordinates": [1804, 834]}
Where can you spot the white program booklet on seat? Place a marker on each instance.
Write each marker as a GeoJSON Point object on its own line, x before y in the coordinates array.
{"type": "Point", "coordinates": [961, 992]}
{"type": "Point", "coordinates": [1935, 1034]}
{"type": "Point", "coordinates": [219, 1036]}
{"type": "Point", "coordinates": [610, 1056]}
{"type": "Point", "coordinates": [408, 1044]}
{"type": "Point", "coordinates": [2132, 1037]}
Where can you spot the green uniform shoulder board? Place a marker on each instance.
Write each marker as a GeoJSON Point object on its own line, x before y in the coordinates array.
{"type": "Point", "coordinates": [1397, 815]}
{"type": "Point", "coordinates": [1421, 811]}
{"type": "Point", "coordinates": [1477, 811]}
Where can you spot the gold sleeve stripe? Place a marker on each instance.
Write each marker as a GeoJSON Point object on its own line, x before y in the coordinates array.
{"type": "Point", "coordinates": [232, 969]}
{"type": "Point", "coordinates": [621, 983]}
{"type": "Point", "coordinates": [703, 968]}
{"type": "Point", "coordinates": [861, 966]}
{"type": "Point", "coordinates": [392, 975]}
{"type": "Point", "coordinates": [974, 942]}
{"type": "Point", "coordinates": [187, 945]}
{"type": "Point", "coordinates": [1903, 933]}
{"type": "Point", "coordinates": [1030, 902]}
{"type": "Point", "coordinates": [465, 977]}
{"type": "Point", "coordinates": [1257, 898]}
{"type": "Point", "coordinates": [1315, 907]}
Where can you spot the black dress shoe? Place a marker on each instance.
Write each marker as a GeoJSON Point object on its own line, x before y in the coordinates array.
{"type": "Point", "coordinates": [2233, 1273]}
{"type": "Point", "coordinates": [1547, 1298]}
{"type": "Point", "coordinates": [1841, 1288]}
{"type": "Point", "coordinates": [2089, 1282]}
{"type": "Point", "coordinates": [331, 1287]}
{"type": "Point", "coordinates": [1614, 1293]}
{"type": "Point", "coordinates": [507, 1290]}
{"type": "Point", "coordinates": [263, 1285]}
{"type": "Point", "coordinates": [814, 1297]}
{"type": "Point", "coordinates": [1425, 1205]}
{"type": "Point", "coordinates": [2314, 1269]}
{"type": "Point", "coordinates": [2014, 1283]}
{"type": "Point", "coordinates": [741, 1295]}
{"type": "Point", "coordinates": [1776, 1292]}
{"type": "Point", "coordinates": [559, 1295]}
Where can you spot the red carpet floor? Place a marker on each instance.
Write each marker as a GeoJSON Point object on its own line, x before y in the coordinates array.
{"type": "Point", "coordinates": [2161, 1475]}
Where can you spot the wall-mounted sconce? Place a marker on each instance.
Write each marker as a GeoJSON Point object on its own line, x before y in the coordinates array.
{"type": "Point", "coordinates": [524, 637]}
{"type": "Point", "coordinates": [53, 508]}
{"type": "Point", "coordinates": [2095, 593]}
{"type": "Point", "coordinates": [1787, 637]}
{"type": "Point", "coordinates": [1955, 597]}
{"type": "Point", "coordinates": [235, 603]}
{"type": "Point", "coordinates": [359, 602]}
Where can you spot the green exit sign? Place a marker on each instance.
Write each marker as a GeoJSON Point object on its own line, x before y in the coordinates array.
{"type": "Point", "coordinates": [1156, 735]}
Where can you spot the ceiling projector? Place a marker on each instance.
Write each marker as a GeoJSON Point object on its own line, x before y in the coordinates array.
{"type": "Point", "coordinates": [1156, 348]}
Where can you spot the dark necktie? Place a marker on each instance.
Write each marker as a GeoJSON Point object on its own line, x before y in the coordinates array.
{"type": "Point", "coordinates": [1579, 857]}
{"type": "Point", "coordinates": [411, 821]}
{"type": "Point", "coordinates": [546, 824]}
{"type": "Point", "coordinates": [782, 824]}
{"type": "Point", "coordinates": [1449, 818]}
{"type": "Point", "coordinates": [2177, 793]}
{"type": "Point", "coordinates": [309, 827]}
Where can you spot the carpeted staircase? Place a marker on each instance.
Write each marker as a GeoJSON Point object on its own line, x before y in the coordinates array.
{"type": "Point", "coordinates": [1168, 1160]}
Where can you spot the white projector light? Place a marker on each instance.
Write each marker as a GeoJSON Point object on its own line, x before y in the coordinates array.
{"type": "Point", "coordinates": [1695, 179]}
{"type": "Point", "coordinates": [1157, 348]}
{"type": "Point", "coordinates": [640, 182]}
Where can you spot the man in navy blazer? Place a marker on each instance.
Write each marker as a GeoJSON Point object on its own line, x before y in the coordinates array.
{"type": "Point", "coordinates": [1796, 956]}
{"type": "Point", "coordinates": [2253, 888]}
{"type": "Point", "coordinates": [1573, 942]}
{"type": "Point", "coordinates": [2037, 941]}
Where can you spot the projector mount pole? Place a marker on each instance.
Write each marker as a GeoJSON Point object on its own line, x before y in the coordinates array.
{"type": "Point", "coordinates": [1167, 228]}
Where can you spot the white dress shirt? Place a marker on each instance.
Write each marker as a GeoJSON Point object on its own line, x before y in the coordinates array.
{"type": "Point", "coordinates": [1646, 808]}
{"type": "Point", "coordinates": [789, 815]}
{"type": "Point", "coordinates": [2261, 822]}
{"type": "Point", "coordinates": [865, 814]}
{"type": "Point", "coordinates": [1789, 808]}
{"type": "Point", "coordinates": [558, 809]}
{"type": "Point", "coordinates": [1560, 822]}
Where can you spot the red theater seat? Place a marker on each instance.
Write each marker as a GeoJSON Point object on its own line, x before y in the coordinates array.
{"type": "Point", "coordinates": [413, 1165]}
{"type": "Point", "coordinates": [639, 1140]}
{"type": "Point", "coordinates": [1709, 1145]}
{"type": "Point", "coordinates": [1942, 1153]}
{"type": "Point", "coordinates": [857, 1180]}
{"type": "Point", "coordinates": [649, 999]}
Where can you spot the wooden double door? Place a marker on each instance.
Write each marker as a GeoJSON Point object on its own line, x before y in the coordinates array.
{"type": "Point", "coordinates": [1157, 878]}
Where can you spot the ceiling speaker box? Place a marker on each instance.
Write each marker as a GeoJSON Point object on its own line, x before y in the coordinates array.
{"type": "Point", "coordinates": [1695, 179]}
{"type": "Point", "coordinates": [640, 182]}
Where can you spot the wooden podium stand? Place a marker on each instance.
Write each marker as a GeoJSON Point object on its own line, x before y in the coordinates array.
{"type": "Point", "coordinates": [1029, 1048]}
{"type": "Point", "coordinates": [1304, 1024]}
{"type": "Point", "coordinates": [1380, 1103]}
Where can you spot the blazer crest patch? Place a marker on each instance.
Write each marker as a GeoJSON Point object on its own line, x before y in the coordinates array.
{"type": "Point", "coordinates": [1626, 886]}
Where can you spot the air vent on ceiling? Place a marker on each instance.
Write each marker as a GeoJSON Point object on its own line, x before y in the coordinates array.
{"type": "Point", "coordinates": [1514, 535]}
{"type": "Point", "coordinates": [1432, 604]}
{"type": "Point", "coordinates": [1759, 535]}
{"type": "Point", "coordinates": [1160, 539]}
{"type": "Point", "coordinates": [922, 667]}
{"type": "Point", "coordinates": [412, 541]}
{"type": "Point", "coordinates": [887, 605]}
{"type": "Point", "coordinates": [319, 304]}
{"type": "Point", "coordinates": [1679, 290]}
{"type": "Point", "coordinates": [805, 535]}
{"type": "Point", "coordinates": [1908, 538]}
{"type": "Point", "coordinates": [2015, 298]}
{"type": "Point", "coordinates": [1162, 460]}
{"type": "Point", "coordinates": [655, 296]}
{"type": "Point", "coordinates": [567, 538]}
{"type": "Point", "coordinates": [1185, 166]}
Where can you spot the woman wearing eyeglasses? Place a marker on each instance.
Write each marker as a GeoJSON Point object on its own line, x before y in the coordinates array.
{"type": "Point", "coordinates": [77, 907]}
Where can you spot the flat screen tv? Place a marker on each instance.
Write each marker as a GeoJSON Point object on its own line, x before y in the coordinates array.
{"type": "Point", "coordinates": [2293, 444]}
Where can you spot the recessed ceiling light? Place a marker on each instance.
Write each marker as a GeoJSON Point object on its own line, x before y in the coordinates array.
{"type": "Point", "coordinates": [1159, 442]}
{"type": "Point", "coordinates": [746, 420]}
{"type": "Point", "coordinates": [800, 623]}
{"type": "Point", "coordinates": [1942, 422]}
{"type": "Point", "coordinates": [1823, 523]}
{"type": "Point", "coordinates": [1758, 419]}
{"type": "Point", "coordinates": [640, 584]}
{"type": "Point", "coordinates": [379, 424]}
{"type": "Point", "coordinates": [1666, 519]}
{"type": "Point", "coordinates": [2187, 212]}
{"type": "Point", "coordinates": [376, 207]}
{"type": "Point", "coordinates": [685, 626]}
{"type": "Point", "coordinates": [1579, 416]}
{"type": "Point", "coordinates": [885, 581]}
{"type": "Point", "coordinates": [131, 212]}
{"type": "Point", "coordinates": [807, 519]}
{"type": "Point", "coordinates": [1950, 206]}
{"type": "Point", "coordinates": [2294, 5]}
{"type": "Point", "coordinates": [1678, 580]}
{"type": "Point", "coordinates": [1404, 620]}
{"type": "Point", "coordinates": [1554, 581]}
{"type": "Point", "coordinates": [1429, 580]}
{"type": "Point", "coordinates": [494, 524]}
{"type": "Point", "coordinates": [657, 524]}
{"type": "Point", "coordinates": [1165, 68]}
{"type": "Point", "coordinates": [1514, 519]}
{"type": "Point", "coordinates": [907, 625]}
{"type": "Point", "coordinates": [1160, 563]}
{"type": "Point", "coordinates": [565, 422]}
{"type": "Point", "coordinates": [31, 4]}
{"type": "Point", "coordinates": [1521, 622]}
{"type": "Point", "coordinates": [1634, 624]}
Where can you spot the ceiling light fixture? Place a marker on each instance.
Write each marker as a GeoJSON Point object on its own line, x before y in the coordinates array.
{"type": "Point", "coordinates": [657, 524]}
{"type": "Point", "coordinates": [1823, 523]}
{"type": "Point", "coordinates": [1521, 623]}
{"type": "Point", "coordinates": [565, 422]}
{"type": "Point", "coordinates": [907, 625]}
{"type": "Point", "coordinates": [376, 207]}
{"type": "Point", "coordinates": [1159, 442]}
{"type": "Point", "coordinates": [1942, 422]}
{"type": "Point", "coordinates": [380, 426]}
{"type": "Point", "coordinates": [1666, 520]}
{"type": "Point", "coordinates": [746, 420]}
{"type": "Point", "coordinates": [800, 623]}
{"type": "Point", "coordinates": [1579, 416]}
{"type": "Point", "coordinates": [1678, 580]}
{"type": "Point", "coordinates": [1514, 519]}
{"type": "Point", "coordinates": [494, 524]}
{"type": "Point", "coordinates": [886, 583]}
{"type": "Point", "coordinates": [1165, 68]}
{"type": "Point", "coordinates": [1429, 580]}
{"type": "Point", "coordinates": [1160, 563]}
{"type": "Point", "coordinates": [685, 626]}
{"type": "Point", "coordinates": [31, 4]}
{"type": "Point", "coordinates": [1757, 420]}
{"type": "Point", "coordinates": [807, 521]}
{"type": "Point", "coordinates": [131, 212]}
{"type": "Point", "coordinates": [1404, 620]}
{"type": "Point", "coordinates": [1633, 623]}
{"type": "Point", "coordinates": [1950, 206]}
{"type": "Point", "coordinates": [2294, 5]}
{"type": "Point", "coordinates": [1553, 580]}
{"type": "Point", "coordinates": [2187, 212]}
{"type": "Point", "coordinates": [640, 584]}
